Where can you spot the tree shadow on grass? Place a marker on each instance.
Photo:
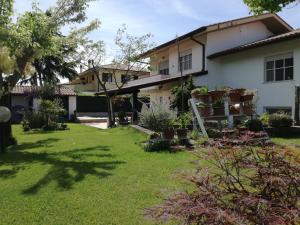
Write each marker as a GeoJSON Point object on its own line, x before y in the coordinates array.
{"type": "Point", "coordinates": [66, 168]}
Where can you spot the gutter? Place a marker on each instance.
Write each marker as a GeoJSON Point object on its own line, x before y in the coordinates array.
{"type": "Point", "coordinates": [203, 52]}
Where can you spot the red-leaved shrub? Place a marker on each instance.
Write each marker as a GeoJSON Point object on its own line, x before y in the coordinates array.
{"type": "Point", "coordinates": [241, 186]}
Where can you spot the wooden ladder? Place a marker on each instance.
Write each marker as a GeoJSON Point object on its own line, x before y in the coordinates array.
{"type": "Point", "coordinates": [198, 117]}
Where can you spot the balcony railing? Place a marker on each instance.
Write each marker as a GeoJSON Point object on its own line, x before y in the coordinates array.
{"type": "Point", "coordinates": [149, 79]}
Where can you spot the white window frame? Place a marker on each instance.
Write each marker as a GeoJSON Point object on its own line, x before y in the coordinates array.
{"type": "Point", "coordinates": [185, 61]}
{"type": "Point", "coordinates": [284, 67]}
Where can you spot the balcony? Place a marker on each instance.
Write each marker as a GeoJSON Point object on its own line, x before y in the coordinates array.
{"type": "Point", "coordinates": [149, 79]}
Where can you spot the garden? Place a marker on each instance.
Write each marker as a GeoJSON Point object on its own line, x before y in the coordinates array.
{"type": "Point", "coordinates": [242, 175]}
{"type": "Point", "coordinates": [84, 176]}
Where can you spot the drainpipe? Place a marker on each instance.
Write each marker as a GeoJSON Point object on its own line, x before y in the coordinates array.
{"type": "Point", "coordinates": [203, 52]}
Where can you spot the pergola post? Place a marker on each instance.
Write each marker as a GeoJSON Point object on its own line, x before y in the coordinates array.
{"type": "Point", "coordinates": [134, 100]}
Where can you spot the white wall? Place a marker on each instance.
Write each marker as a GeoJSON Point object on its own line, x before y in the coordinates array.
{"type": "Point", "coordinates": [72, 105]}
{"type": "Point", "coordinates": [235, 36]}
{"type": "Point", "coordinates": [242, 70]}
{"type": "Point", "coordinates": [246, 70]}
{"type": "Point", "coordinates": [171, 54]}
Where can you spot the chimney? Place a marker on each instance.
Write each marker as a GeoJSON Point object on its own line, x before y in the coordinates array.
{"type": "Point", "coordinates": [89, 63]}
{"type": "Point", "coordinates": [81, 68]}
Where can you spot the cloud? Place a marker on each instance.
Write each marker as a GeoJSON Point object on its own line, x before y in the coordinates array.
{"type": "Point", "coordinates": [178, 7]}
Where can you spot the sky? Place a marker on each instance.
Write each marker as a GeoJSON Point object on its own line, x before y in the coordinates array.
{"type": "Point", "coordinates": [163, 18]}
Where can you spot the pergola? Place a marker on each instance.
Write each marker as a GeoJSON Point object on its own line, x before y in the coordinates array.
{"type": "Point", "coordinates": [134, 89]}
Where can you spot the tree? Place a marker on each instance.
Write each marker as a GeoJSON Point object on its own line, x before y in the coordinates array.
{"type": "Point", "coordinates": [273, 6]}
{"type": "Point", "coordinates": [127, 59]}
{"type": "Point", "coordinates": [37, 34]}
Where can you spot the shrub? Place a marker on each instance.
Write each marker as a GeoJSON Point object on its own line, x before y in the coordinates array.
{"type": "Point", "coordinates": [201, 90]}
{"type": "Point", "coordinates": [264, 118]}
{"type": "Point", "coordinates": [254, 125]}
{"type": "Point", "coordinates": [280, 120]}
{"type": "Point", "coordinates": [158, 144]}
{"type": "Point", "coordinates": [254, 186]}
{"type": "Point", "coordinates": [182, 94]}
{"type": "Point", "coordinates": [154, 136]}
{"type": "Point", "coordinates": [214, 133]}
{"type": "Point", "coordinates": [195, 135]}
{"type": "Point", "coordinates": [158, 117]}
{"type": "Point", "coordinates": [34, 120]}
{"type": "Point", "coordinates": [47, 116]}
{"type": "Point", "coordinates": [51, 110]}
{"type": "Point", "coordinates": [122, 116]}
{"type": "Point", "coordinates": [184, 120]}
{"type": "Point", "coordinates": [218, 103]}
{"type": "Point", "coordinates": [50, 126]}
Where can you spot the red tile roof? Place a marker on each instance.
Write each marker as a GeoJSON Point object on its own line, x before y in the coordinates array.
{"type": "Point", "coordinates": [275, 39]}
{"type": "Point", "coordinates": [60, 90]}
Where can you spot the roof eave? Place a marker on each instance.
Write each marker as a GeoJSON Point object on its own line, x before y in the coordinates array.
{"type": "Point", "coordinates": [258, 45]}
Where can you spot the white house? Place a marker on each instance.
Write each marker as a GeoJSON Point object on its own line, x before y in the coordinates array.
{"type": "Point", "coordinates": [257, 52]}
{"type": "Point", "coordinates": [24, 97]}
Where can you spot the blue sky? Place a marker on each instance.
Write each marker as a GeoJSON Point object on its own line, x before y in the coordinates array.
{"type": "Point", "coordinates": [163, 18]}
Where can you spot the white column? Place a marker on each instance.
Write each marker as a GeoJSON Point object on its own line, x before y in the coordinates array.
{"type": "Point", "coordinates": [72, 105]}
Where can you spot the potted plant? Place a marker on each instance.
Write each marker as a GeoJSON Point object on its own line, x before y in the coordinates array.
{"type": "Point", "coordinates": [247, 97]}
{"type": "Point", "coordinates": [218, 107]}
{"type": "Point", "coordinates": [217, 94]}
{"type": "Point", "coordinates": [168, 132]}
{"type": "Point", "coordinates": [183, 121]}
{"type": "Point", "coordinates": [204, 109]}
{"type": "Point", "coordinates": [201, 94]}
{"type": "Point", "coordinates": [123, 120]}
{"type": "Point", "coordinates": [234, 110]}
{"type": "Point", "coordinates": [235, 94]}
{"type": "Point", "coordinates": [248, 109]}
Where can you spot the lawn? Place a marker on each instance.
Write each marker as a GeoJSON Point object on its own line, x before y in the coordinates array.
{"type": "Point", "coordinates": [84, 176]}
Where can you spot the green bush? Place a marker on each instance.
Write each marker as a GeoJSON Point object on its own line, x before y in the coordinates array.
{"type": "Point", "coordinates": [156, 145]}
{"type": "Point", "coordinates": [264, 118]}
{"type": "Point", "coordinates": [254, 125]}
{"type": "Point", "coordinates": [122, 116]}
{"type": "Point", "coordinates": [214, 133]}
{"type": "Point", "coordinates": [33, 119]}
{"type": "Point", "coordinates": [184, 120]}
{"type": "Point", "coordinates": [278, 120]}
{"type": "Point", "coordinates": [50, 126]}
{"type": "Point", "coordinates": [201, 90]}
{"type": "Point", "coordinates": [158, 117]}
{"type": "Point", "coordinates": [195, 135]}
{"type": "Point", "coordinates": [47, 116]}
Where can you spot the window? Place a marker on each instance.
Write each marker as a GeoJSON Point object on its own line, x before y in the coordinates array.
{"type": "Point", "coordinates": [93, 77]}
{"type": "Point", "coordinates": [279, 68]}
{"type": "Point", "coordinates": [185, 60]}
{"type": "Point", "coordinates": [106, 77]}
{"type": "Point", "coordinates": [272, 110]}
{"type": "Point", "coordinates": [164, 67]}
{"type": "Point", "coordinates": [125, 78]}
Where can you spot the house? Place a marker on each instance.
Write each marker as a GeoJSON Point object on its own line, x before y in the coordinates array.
{"type": "Point", "coordinates": [260, 53]}
{"type": "Point", "coordinates": [88, 82]}
{"type": "Point", "coordinates": [23, 97]}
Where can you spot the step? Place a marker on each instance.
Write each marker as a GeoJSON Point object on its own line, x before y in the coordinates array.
{"type": "Point", "coordinates": [89, 119]}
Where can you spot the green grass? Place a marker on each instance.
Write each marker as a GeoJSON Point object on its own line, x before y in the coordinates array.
{"type": "Point", "coordinates": [84, 176]}
{"type": "Point", "coordinates": [287, 141]}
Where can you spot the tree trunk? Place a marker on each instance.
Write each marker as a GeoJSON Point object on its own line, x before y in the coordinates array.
{"type": "Point", "coordinates": [109, 111]}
